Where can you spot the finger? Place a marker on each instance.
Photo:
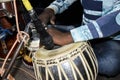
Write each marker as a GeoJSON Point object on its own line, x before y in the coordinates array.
{"type": "Point", "coordinates": [44, 24]}
{"type": "Point", "coordinates": [52, 20]}
{"type": "Point", "coordinates": [43, 20]}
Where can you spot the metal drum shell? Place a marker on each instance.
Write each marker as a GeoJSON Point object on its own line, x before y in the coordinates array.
{"type": "Point", "coordinates": [75, 61]}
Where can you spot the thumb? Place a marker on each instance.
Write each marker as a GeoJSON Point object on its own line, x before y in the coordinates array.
{"type": "Point", "coordinates": [52, 20]}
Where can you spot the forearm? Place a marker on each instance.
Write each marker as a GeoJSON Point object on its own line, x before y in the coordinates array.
{"type": "Point", "coordinates": [102, 27]}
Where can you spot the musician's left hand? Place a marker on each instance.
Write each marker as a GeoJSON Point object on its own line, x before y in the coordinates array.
{"type": "Point", "coordinates": [59, 37]}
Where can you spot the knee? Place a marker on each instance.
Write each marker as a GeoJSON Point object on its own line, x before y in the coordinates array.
{"type": "Point", "coordinates": [108, 56]}
{"type": "Point", "coordinates": [109, 65]}
{"type": "Point", "coordinates": [108, 69]}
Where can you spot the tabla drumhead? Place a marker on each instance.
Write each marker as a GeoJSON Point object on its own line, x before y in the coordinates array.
{"type": "Point", "coordinates": [45, 54]}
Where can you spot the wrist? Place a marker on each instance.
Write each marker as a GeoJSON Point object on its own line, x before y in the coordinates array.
{"type": "Point", "coordinates": [69, 38]}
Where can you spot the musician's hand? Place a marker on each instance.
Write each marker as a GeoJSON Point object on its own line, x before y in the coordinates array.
{"type": "Point", "coordinates": [46, 16]}
{"type": "Point", "coordinates": [60, 38]}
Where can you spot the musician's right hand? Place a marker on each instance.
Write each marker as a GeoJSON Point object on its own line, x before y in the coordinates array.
{"type": "Point", "coordinates": [47, 16]}
{"type": "Point", "coordinates": [59, 37]}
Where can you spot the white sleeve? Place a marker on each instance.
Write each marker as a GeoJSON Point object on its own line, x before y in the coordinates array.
{"type": "Point", "coordinates": [60, 5]}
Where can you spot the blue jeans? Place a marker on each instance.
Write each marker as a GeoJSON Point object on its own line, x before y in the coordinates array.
{"type": "Point", "coordinates": [108, 56]}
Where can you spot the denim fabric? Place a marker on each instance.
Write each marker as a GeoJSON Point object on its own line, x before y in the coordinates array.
{"type": "Point", "coordinates": [108, 56]}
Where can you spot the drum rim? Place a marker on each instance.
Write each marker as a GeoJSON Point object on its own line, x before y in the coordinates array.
{"type": "Point", "coordinates": [42, 56]}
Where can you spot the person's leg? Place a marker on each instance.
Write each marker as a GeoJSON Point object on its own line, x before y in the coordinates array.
{"type": "Point", "coordinates": [108, 55]}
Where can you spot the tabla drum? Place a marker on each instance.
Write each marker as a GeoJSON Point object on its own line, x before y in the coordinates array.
{"type": "Point", "coordinates": [75, 61]}
{"type": "Point", "coordinates": [6, 8]}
